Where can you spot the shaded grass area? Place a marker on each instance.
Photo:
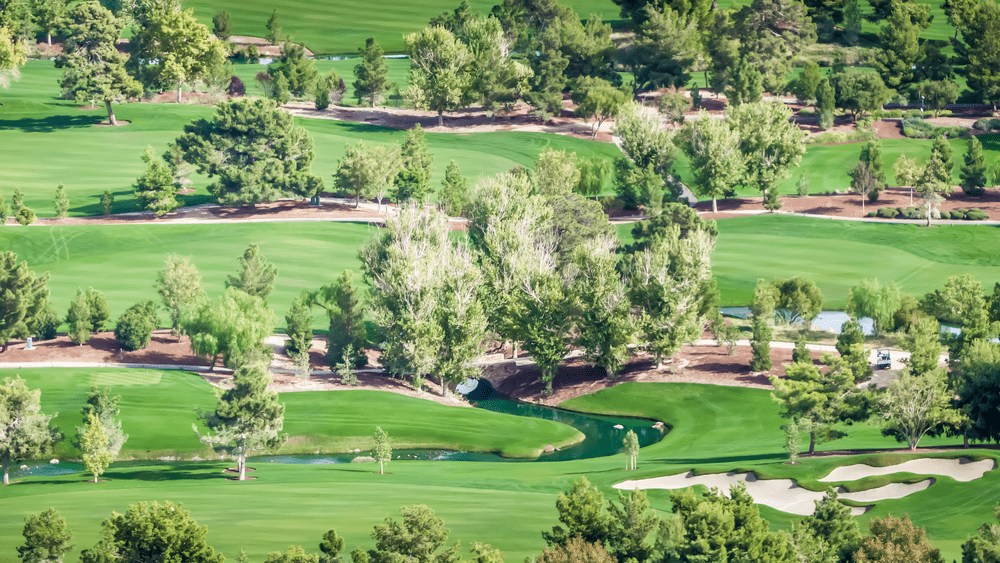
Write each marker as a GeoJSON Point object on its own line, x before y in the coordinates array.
{"type": "Point", "coordinates": [158, 408]}
{"type": "Point", "coordinates": [839, 254]}
{"type": "Point", "coordinates": [123, 260]}
{"type": "Point", "coordinates": [714, 429]}
{"type": "Point", "coordinates": [45, 141]}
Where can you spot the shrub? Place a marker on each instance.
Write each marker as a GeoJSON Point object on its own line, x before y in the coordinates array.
{"type": "Point", "coordinates": [872, 213]}
{"type": "Point", "coordinates": [135, 326]}
{"type": "Point", "coordinates": [873, 195]}
{"type": "Point", "coordinates": [896, 113]}
{"type": "Point", "coordinates": [236, 87]}
{"type": "Point", "coordinates": [911, 213]}
{"type": "Point", "coordinates": [976, 215]}
{"type": "Point", "coordinates": [888, 212]}
{"type": "Point", "coordinates": [914, 113]}
{"type": "Point", "coordinates": [25, 215]}
{"type": "Point", "coordinates": [48, 324]}
{"type": "Point", "coordinates": [610, 203]}
{"type": "Point", "coordinates": [944, 113]}
{"type": "Point", "coordinates": [987, 124]}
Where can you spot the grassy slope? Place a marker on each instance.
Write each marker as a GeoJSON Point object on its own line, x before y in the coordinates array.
{"type": "Point", "coordinates": [341, 26]}
{"type": "Point", "coordinates": [714, 429]}
{"type": "Point", "coordinates": [47, 141]}
{"type": "Point", "coordinates": [839, 254]}
{"type": "Point", "coordinates": [159, 407]}
{"type": "Point", "coordinates": [122, 260]}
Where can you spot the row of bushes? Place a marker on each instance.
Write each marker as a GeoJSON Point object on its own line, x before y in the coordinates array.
{"type": "Point", "coordinates": [987, 124]}
{"type": "Point", "coordinates": [830, 137]}
{"type": "Point", "coordinates": [960, 214]}
{"type": "Point", "coordinates": [917, 128]}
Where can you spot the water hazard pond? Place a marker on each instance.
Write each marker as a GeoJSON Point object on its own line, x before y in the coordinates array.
{"type": "Point", "coordinates": [602, 438]}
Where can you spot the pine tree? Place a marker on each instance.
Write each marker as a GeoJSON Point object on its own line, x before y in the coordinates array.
{"type": "Point", "coordinates": [454, 196]}
{"type": "Point", "coordinates": [107, 202]}
{"type": "Point", "coordinates": [942, 148]}
{"type": "Point", "coordinates": [78, 319]}
{"type": "Point", "coordinates": [371, 82]}
{"type": "Point", "coordinates": [746, 85]}
{"type": "Point", "coordinates": [762, 310]}
{"type": "Point", "coordinates": [871, 154]}
{"type": "Point", "coordinates": [974, 174]}
{"type": "Point", "coordinates": [382, 451]}
{"type": "Point", "coordinates": [46, 539]}
{"type": "Point", "coordinates": [94, 447]}
{"type": "Point", "coordinates": [5, 209]}
{"type": "Point", "coordinates": [792, 443]}
{"type": "Point", "coordinates": [826, 103]}
{"type": "Point", "coordinates": [281, 93]}
{"type": "Point", "coordinates": [62, 202]}
{"type": "Point", "coordinates": [342, 302]}
{"type": "Point", "coordinates": [222, 25]}
{"type": "Point", "coordinates": [414, 179]}
{"type": "Point", "coordinates": [257, 274]}
{"type": "Point", "coordinates": [155, 189]}
{"type": "Point", "coordinates": [273, 28]}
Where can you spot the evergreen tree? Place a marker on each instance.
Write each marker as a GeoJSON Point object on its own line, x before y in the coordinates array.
{"type": "Point", "coordinates": [900, 41]}
{"type": "Point", "coordinates": [46, 539]}
{"type": "Point", "coordinates": [62, 202]}
{"type": "Point", "coordinates": [871, 154]}
{"type": "Point", "coordinates": [974, 174]}
{"type": "Point", "coordinates": [299, 71]}
{"type": "Point", "coordinates": [762, 310]}
{"type": "Point", "coordinates": [248, 417]}
{"type": "Point", "coordinates": [581, 510]}
{"type": "Point", "coordinates": [155, 189]}
{"type": "Point", "coordinates": [630, 525]}
{"type": "Point", "coordinates": [107, 202]}
{"type": "Point", "coordinates": [371, 82]}
{"type": "Point", "coordinates": [832, 522]}
{"type": "Point", "coordinates": [273, 28]}
{"type": "Point", "coordinates": [25, 302]}
{"type": "Point", "coordinates": [439, 71]}
{"type": "Point", "coordinates": [78, 319]}
{"type": "Point", "coordinates": [257, 275]}
{"type": "Point", "coordinates": [281, 94]}
{"type": "Point", "coordinates": [454, 196]}
{"type": "Point", "coordinates": [97, 303]}
{"type": "Point", "coordinates": [25, 431]}
{"type": "Point", "coordinates": [745, 84]}
{"type": "Point", "coordinates": [5, 209]}
{"type": "Point", "coordinates": [342, 302]}
{"type": "Point", "coordinates": [826, 103]}
{"type": "Point", "coordinates": [222, 25]}
{"type": "Point", "coordinates": [548, 80]}
{"type": "Point", "coordinates": [414, 178]}
{"type": "Point", "coordinates": [942, 148]}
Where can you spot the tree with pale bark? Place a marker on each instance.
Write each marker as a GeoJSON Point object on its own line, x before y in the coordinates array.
{"type": "Point", "coordinates": [25, 431]}
{"type": "Point", "coordinates": [914, 405]}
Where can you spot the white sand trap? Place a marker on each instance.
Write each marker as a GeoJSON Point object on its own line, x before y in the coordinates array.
{"type": "Point", "coordinates": [781, 494]}
{"type": "Point", "coordinates": [960, 469]}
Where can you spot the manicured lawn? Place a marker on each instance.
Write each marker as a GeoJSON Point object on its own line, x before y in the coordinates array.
{"type": "Point", "coordinates": [713, 429]}
{"type": "Point", "coordinates": [839, 254]}
{"type": "Point", "coordinates": [122, 260]}
{"type": "Point", "coordinates": [159, 407]}
{"type": "Point", "coordinates": [47, 141]}
{"type": "Point", "coordinates": [339, 27]}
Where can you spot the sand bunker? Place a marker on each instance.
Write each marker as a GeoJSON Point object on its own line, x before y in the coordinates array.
{"type": "Point", "coordinates": [781, 494]}
{"type": "Point", "coordinates": [960, 469]}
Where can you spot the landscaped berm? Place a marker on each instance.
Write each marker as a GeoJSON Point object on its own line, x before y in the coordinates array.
{"type": "Point", "coordinates": [560, 281]}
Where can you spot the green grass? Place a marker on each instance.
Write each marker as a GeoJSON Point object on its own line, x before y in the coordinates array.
{"type": "Point", "coordinates": [47, 141]}
{"type": "Point", "coordinates": [839, 254]}
{"type": "Point", "coordinates": [337, 27]}
{"type": "Point", "coordinates": [713, 429]}
{"type": "Point", "coordinates": [158, 408]}
{"type": "Point", "coordinates": [122, 260]}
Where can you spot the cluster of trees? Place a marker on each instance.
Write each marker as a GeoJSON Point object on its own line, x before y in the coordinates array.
{"type": "Point", "coordinates": [728, 528]}
{"type": "Point", "coordinates": [24, 214]}
{"type": "Point", "coordinates": [541, 268]}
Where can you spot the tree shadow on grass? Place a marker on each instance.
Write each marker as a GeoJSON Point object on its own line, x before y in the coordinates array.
{"type": "Point", "coordinates": [50, 124]}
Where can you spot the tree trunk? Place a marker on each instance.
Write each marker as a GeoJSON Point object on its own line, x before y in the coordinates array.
{"type": "Point", "coordinates": [812, 442]}
{"type": "Point", "coordinates": [440, 118]}
{"type": "Point", "coordinates": [715, 207]}
{"type": "Point", "coordinates": [179, 84]}
{"type": "Point", "coordinates": [211, 368]}
{"type": "Point", "coordinates": [381, 467]}
{"type": "Point", "coordinates": [659, 360]}
{"type": "Point", "coordinates": [241, 462]}
{"type": "Point", "coordinates": [444, 387]}
{"type": "Point", "coordinates": [48, 38]}
{"type": "Point", "coordinates": [95, 478]}
{"type": "Point", "coordinates": [111, 113]}
{"type": "Point", "coordinates": [514, 345]}
{"type": "Point", "coordinates": [6, 472]}
{"type": "Point", "coordinates": [965, 440]}
{"type": "Point", "coordinates": [357, 199]}
{"type": "Point", "coordinates": [862, 204]}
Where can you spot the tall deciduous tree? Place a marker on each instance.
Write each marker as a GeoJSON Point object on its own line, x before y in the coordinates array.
{"type": "Point", "coordinates": [234, 327]}
{"type": "Point", "coordinates": [461, 317]}
{"type": "Point", "coordinates": [439, 65]}
{"type": "Point", "coordinates": [155, 189]}
{"type": "Point", "coordinates": [860, 92]}
{"type": "Point", "coordinates": [46, 539]}
{"type": "Point", "coordinates": [800, 298]}
{"type": "Point", "coordinates": [713, 147]}
{"type": "Point", "coordinates": [367, 170]}
{"type": "Point", "coordinates": [257, 275]}
{"type": "Point", "coordinates": [771, 144]}
{"type": "Point", "coordinates": [606, 326]}
{"type": "Point", "coordinates": [179, 284]}
{"type": "Point", "coordinates": [254, 149]}
{"type": "Point", "coordinates": [371, 82]}
{"type": "Point", "coordinates": [631, 444]}
{"type": "Point", "coordinates": [555, 172]}
{"type": "Point", "coordinates": [914, 405]}
{"type": "Point", "coordinates": [495, 78]}
{"type": "Point", "coordinates": [415, 167]}
{"type": "Point", "coordinates": [643, 139]}
{"type": "Point", "coordinates": [94, 447]}
{"type": "Point", "coordinates": [152, 532]}
{"type": "Point", "coordinates": [896, 539]}
{"type": "Point", "coordinates": [863, 182]}
{"type": "Point", "coordinates": [872, 299]}
{"type": "Point", "coordinates": [183, 49]}
{"type": "Point", "coordinates": [342, 302]}
{"type": "Point", "coordinates": [12, 56]}
{"type": "Point", "coordinates": [25, 431]}
{"type": "Point", "coordinates": [381, 450]}
{"type": "Point", "coordinates": [101, 404]}
{"type": "Point", "coordinates": [248, 417]}
{"type": "Point", "coordinates": [596, 99]}
{"type": "Point", "coordinates": [95, 70]}
{"type": "Point", "coordinates": [25, 299]}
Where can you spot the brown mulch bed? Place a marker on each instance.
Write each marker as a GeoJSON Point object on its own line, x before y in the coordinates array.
{"type": "Point", "coordinates": [849, 205]}
{"type": "Point", "coordinates": [102, 347]}
{"type": "Point", "coordinates": [694, 364]}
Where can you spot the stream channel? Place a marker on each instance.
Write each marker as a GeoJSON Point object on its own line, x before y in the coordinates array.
{"type": "Point", "coordinates": [602, 438]}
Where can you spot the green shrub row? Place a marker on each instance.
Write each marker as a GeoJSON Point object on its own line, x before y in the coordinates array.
{"type": "Point", "coordinates": [917, 128]}
{"type": "Point", "coordinates": [960, 214]}
{"type": "Point", "coordinates": [987, 124]}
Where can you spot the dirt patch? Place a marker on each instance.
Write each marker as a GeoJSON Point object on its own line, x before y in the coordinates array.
{"type": "Point", "coordinates": [693, 364]}
{"type": "Point", "coordinates": [849, 205]}
{"type": "Point", "coordinates": [163, 349]}
{"type": "Point", "coordinates": [265, 48]}
{"type": "Point", "coordinates": [118, 123]}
